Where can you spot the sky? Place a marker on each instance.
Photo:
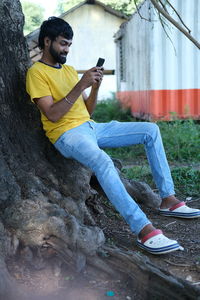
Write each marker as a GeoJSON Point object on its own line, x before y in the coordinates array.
{"type": "Point", "coordinates": [49, 6]}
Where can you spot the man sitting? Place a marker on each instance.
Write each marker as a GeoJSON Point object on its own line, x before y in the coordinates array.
{"type": "Point", "coordinates": [65, 113]}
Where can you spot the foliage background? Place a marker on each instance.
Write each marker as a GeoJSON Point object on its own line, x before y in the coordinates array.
{"type": "Point", "coordinates": [34, 13]}
{"type": "Point", "coordinates": [34, 16]}
{"type": "Point", "coordinates": [181, 139]}
{"type": "Point", "coordinates": [125, 6]}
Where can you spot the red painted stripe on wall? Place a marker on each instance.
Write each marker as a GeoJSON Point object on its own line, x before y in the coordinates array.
{"type": "Point", "coordinates": [162, 104]}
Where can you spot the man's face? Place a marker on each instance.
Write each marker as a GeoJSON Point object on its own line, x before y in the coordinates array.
{"type": "Point", "coordinates": [59, 49]}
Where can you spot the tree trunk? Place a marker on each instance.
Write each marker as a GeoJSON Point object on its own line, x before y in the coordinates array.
{"type": "Point", "coordinates": [42, 195]}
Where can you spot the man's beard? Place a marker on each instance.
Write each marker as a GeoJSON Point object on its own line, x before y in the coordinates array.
{"type": "Point", "coordinates": [56, 56]}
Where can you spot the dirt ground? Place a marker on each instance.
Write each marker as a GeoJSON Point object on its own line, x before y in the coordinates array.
{"type": "Point", "coordinates": [184, 264]}
{"type": "Point", "coordinates": [93, 285]}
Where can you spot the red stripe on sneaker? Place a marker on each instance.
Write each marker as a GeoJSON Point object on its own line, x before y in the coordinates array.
{"type": "Point", "coordinates": [177, 206]}
{"type": "Point", "coordinates": [151, 234]}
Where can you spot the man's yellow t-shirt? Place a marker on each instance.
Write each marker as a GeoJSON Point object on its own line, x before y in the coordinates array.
{"type": "Point", "coordinates": [44, 80]}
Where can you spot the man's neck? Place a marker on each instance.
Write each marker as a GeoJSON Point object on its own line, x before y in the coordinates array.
{"type": "Point", "coordinates": [49, 61]}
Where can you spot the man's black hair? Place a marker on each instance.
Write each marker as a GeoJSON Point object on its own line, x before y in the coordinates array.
{"type": "Point", "coordinates": [52, 28]}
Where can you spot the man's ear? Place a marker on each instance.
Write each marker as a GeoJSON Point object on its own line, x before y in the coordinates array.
{"type": "Point", "coordinates": [47, 41]}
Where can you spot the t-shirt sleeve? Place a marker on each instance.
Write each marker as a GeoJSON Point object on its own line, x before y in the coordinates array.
{"type": "Point", "coordinates": [36, 86]}
{"type": "Point", "coordinates": [73, 72]}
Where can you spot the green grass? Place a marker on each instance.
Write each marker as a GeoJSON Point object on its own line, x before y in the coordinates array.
{"type": "Point", "coordinates": [139, 173]}
{"type": "Point", "coordinates": [108, 110]}
{"type": "Point", "coordinates": [186, 179]}
{"type": "Point", "coordinates": [181, 138]}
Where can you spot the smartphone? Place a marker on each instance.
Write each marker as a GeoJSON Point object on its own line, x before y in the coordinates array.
{"type": "Point", "coordinates": [100, 62]}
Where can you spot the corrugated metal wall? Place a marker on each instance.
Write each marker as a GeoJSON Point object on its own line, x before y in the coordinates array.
{"type": "Point", "coordinates": [162, 73]}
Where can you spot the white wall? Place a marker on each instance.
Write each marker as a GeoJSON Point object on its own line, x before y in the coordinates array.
{"type": "Point", "coordinates": [152, 60]}
{"type": "Point", "coordinates": [94, 29]}
{"type": "Point", "coordinates": [176, 64]}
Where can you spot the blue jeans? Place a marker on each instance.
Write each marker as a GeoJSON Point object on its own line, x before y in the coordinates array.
{"type": "Point", "coordinates": [84, 144]}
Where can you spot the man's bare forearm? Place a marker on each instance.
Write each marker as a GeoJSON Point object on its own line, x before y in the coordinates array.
{"type": "Point", "coordinates": [92, 100]}
{"type": "Point", "coordinates": [55, 111]}
{"type": "Point", "coordinates": [59, 109]}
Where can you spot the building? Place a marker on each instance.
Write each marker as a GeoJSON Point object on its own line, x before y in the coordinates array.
{"type": "Point", "coordinates": [158, 73]}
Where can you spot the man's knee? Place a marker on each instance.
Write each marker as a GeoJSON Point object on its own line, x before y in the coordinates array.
{"type": "Point", "coordinates": [103, 161]}
{"type": "Point", "coordinates": [152, 132]}
{"type": "Point", "coordinates": [153, 129]}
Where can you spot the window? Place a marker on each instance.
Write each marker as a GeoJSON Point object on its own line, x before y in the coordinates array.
{"type": "Point", "coordinates": [122, 64]}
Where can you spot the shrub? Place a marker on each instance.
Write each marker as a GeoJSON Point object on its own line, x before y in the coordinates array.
{"type": "Point", "coordinates": [186, 179]}
{"type": "Point", "coordinates": [181, 138]}
{"type": "Point", "coordinates": [110, 109]}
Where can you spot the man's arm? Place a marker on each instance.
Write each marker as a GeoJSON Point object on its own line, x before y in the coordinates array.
{"type": "Point", "coordinates": [55, 111]}
{"type": "Point", "coordinates": [91, 100]}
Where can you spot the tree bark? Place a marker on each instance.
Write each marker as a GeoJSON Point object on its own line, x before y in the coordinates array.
{"type": "Point", "coordinates": [42, 194]}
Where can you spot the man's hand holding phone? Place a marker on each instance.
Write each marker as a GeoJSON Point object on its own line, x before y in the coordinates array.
{"type": "Point", "coordinates": [100, 62]}
{"type": "Point", "coordinates": [93, 76]}
{"type": "Point", "coordinates": [100, 69]}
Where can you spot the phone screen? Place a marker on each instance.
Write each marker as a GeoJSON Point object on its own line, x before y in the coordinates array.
{"type": "Point", "coordinates": [100, 62]}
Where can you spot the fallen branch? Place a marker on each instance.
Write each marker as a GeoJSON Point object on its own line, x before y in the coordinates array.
{"type": "Point", "coordinates": [193, 200]}
{"type": "Point", "coordinates": [150, 281]}
{"type": "Point", "coordinates": [175, 264]}
{"type": "Point", "coordinates": [170, 223]}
